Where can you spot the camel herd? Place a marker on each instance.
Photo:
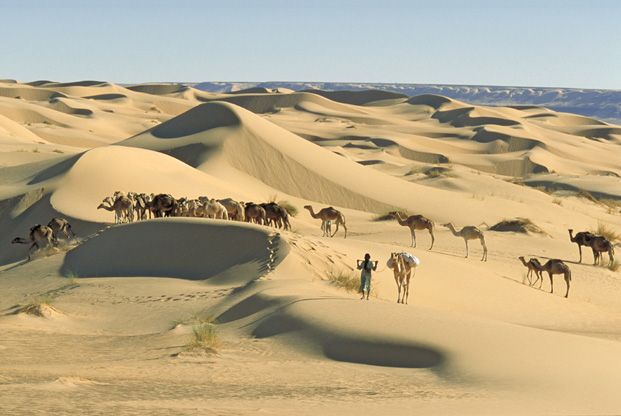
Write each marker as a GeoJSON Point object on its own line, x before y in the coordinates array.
{"type": "Point", "coordinates": [140, 206]}
{"type": "Point", "coordinates": [599, 244]}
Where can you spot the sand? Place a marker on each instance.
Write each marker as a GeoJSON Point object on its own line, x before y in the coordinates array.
{"type": "Point", "coordinates": [115, 308]}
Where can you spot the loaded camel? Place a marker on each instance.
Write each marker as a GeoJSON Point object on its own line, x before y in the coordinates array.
{"type": "Point", "coordinates": [328, 214]}
{"type": "Point", "coordinates": [40, 236]}
{"type": "Point", "coordinates": [403, 265]}
{"type": "Point", "coordinates": [415, 222]}
{"type": "Point", "coordinates": [255, 213]}
{"type": "Point", "coordinates": [469, 232]}
{"type": "Point", "coordinates": [276, 215]}
{"type": "Point", "coordinates": [582, 238]}
{"type": "Point", "coordinates": [533, 265]}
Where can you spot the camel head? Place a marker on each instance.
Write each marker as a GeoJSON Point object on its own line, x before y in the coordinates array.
{"type": "Point", "coordinates": [17, 240]}
{"type": "Point", "coordinates": [448, 225]}
{"type": "Point", "coordinates": [308, 207]}
{"type": "Point", "coordinates": [521, 258]}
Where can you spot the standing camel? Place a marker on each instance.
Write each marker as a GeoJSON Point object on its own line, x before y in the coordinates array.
{"type": "Point", "coordinates": [415, 222]}
{"type": "Point", "coordinates": [328, 214]}
{"type": "Point", "coordinates": [214, 209]}
{"type": "Point", "coordinates": [40, 236]}
{"type": "Point", "coordinates": [581, 239]}
{"type": "Point", "coordinates": [162, 205]}
{"type": "Point", "coordinates": [60, 225]}
{"type": "Point", "coordinates": [403, 266]}
{"type": "Point", "coordinates": [601, 245]}
{"type": "Point", "coordinates": [122, 207]}
{"type": "Point", "coordinates": [556, 266]}
{"type": "Point", "coordinates": [533, 265]}
{"type": "Point", "coordinates": [234, 209]}
{"type": "Point", "coordinates": [469, 232]}
{"type": "Point", "coordinates": [255, 213]}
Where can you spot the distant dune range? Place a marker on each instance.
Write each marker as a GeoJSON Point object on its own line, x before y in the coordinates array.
{"type": "Point", "coordinates": [126, 299]}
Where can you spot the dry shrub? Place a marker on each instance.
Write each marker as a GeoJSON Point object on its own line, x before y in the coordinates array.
{"type": "Point", "coordinates": [517, 225]}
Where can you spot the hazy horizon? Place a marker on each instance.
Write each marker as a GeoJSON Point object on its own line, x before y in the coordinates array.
{"type": "Point", "coordinates": [558, 44]}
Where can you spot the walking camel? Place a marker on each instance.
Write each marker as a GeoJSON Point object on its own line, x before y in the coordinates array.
{"type": "Point", "coordinates": [60, 225]}
{"type": "Point", "coordinates": [122, 206]}
{"type": "Point", "coordinates": [402, 265]}
{"type": "Point", "coordinates": [328, 214]}
{"type": "Point", "coordinates": [556, 266]}
{"type": "Point", "coordinates": [415, 222]}
{"type": "Point", "coordinates": [40, 236]}
{"type": "Point", "coordinates": [469, 232]}
{"type": "Point", "coordinates": [582, 238]}
{"type": "Point", "coordinates": [533, 265]}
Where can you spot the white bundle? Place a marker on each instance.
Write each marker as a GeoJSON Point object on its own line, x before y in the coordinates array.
{"type": "Point", "coordinates": [409, 258]}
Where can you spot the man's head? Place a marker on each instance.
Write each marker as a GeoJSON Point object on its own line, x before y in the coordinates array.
{"type": "Point", "coordinates": [367, 256]}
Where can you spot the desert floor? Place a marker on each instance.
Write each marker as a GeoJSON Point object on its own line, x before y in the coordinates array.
{"type": "Point", "coordinates": [119, 303]}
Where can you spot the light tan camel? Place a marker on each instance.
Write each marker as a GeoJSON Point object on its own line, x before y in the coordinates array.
{"type": "Point", "coordinates": [415, 222]}
{"type": "Point", "coordinates": [533, 265]}
{"type": "Point", "coordinates": [469, 232]}
{"type": "Point", "coordinates": [40, 236]}
{"type": "Point", "coordinates": [556, 266]}
{"type": "Point", "coordinates": [60, 225]}
{"type": "Point", "coordinates": [214, 209]}
{"type": "Point", "coordinates": [601, 245]}
{"type": "Point", "coordinates": [122, 207]}
{"type": "Point", "coordinates": [402, 271]}
{"type": "Point", "coordinates": [233, 208]}
{"type": "Point", "coordinates": [328, 214]}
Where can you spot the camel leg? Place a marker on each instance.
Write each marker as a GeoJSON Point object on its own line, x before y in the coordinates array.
{"type": "Point", "coordinates": [413, 238]}
{"type": "Point", "coordinates": [540, 279]}
{"type": "Point", "coordinates": [595, 257]}
{"type": "Point", "coordinates": [530, 271]}
{"type": "Point", "coordinates": [466, 247]}
{"type": "Point", "coordinates": [567, 282]}
{"type": "Point", "coordinates": [551, 283]}
{"type": "Point", "coordinates": [407, 287]}
{"type": "Point", "coordinates": [33, 245]}
{"type": "Point", "coordinates": [345, 228]}
{"type": "Point", "coordinates": [335, 231]}
{"type": "Point", "coordinates": [484, 258]}
{"type": "Point", "coordinates": [433, 239]}
{"type": "Point", "coordinates": [580, 250]}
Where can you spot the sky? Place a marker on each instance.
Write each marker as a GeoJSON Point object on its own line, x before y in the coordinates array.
{"type": "Point", "coordinates": [566, 43]}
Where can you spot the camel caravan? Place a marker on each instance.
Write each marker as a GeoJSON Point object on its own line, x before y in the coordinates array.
{"type": "Point", "coordinates": [134, 206]}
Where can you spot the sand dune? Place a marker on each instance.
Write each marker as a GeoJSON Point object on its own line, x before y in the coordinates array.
{"type": "Point", "coordinates": [121, 303]}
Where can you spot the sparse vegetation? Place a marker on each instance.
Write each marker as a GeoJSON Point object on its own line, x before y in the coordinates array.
{"type": "Point", "coordinates": [558, 201]}
{"type": "Point", "coordinates": [432, 171]}
{"type": "Point", "coordinates": [289, 207]}
{"type": "Point", "coordinates": [344, 279]}
{"type": "Point", "coordinates": [517, 225]}
{"type": "Point", "coordinates": [36, 306]}
{"type": "Point", "coordinates": [196, 319]}
{"type": "Point", "coordinates": [204, 337]}
{"type": "Point", "coordinates": [387, 216]}
{"type": "Point", "coordinates": [607, 232]}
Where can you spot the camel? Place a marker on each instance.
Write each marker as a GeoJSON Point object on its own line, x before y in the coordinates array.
{"type": "Point", "coordinates": [601, 245]}
{"type": "Point", "coordinates": [60, 225]}
{"type": "Point", "coordinates": [234, 209]}
{"type": "Point", "coordinates": [581, 239]}
{"type": "Point", "coordinates": [556, 266]}
{"type": "Point", "coordinates": [141, 206]}
{"type": "Point", "coordinates": [162, 205]}
{"type": "Point", "coordinates": [415, 222]}
{"type": "Point", "coordinates": [403, 266]}
{"type": "Point", "coordinates": [469, 232]}
{"type": "Point", "coordinates": [276, 215]}
{"type": "Point", "coordinates": [214, 209]}
{"type": "Point", "coordinates": [533, 265]}
{"type": "Point", "coordinates": [40, 236]}
{"type": "Point", "coordinates": [255, 213]}
{"type": "Point", "coordinates": [328, 214]}
{"type": "Point", "coordinates": [122, 206]}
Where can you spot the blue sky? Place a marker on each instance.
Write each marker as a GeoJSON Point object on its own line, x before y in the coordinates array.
{"type": "Point", "coordinates": [565, 43]}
